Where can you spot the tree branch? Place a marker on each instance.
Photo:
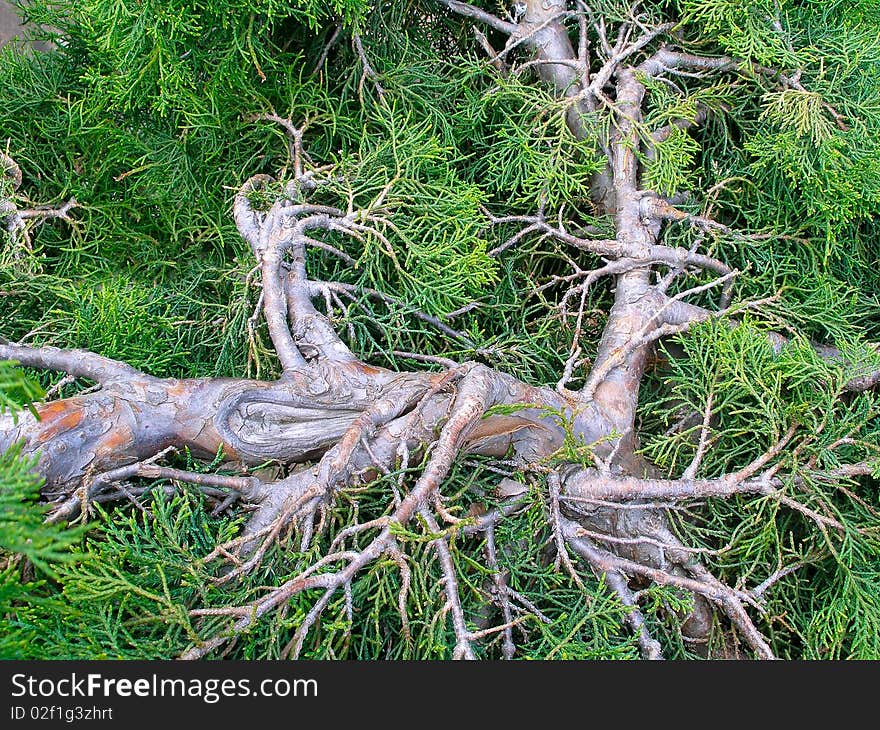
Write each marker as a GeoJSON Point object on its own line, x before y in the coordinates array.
{"type": "Point", "coordinates": [475, 13]}
{"type": "Point", "coordinates": [79, 363]}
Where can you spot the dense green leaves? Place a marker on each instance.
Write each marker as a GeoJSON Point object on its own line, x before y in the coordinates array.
{"type": "Point", "coordinates": [30, 551]}
{"type": "Point", "coordinates": [149, 114]}
{"type": "Point", "coordinates": [756, 397]}
{"type": "Point", "coordinates": [16, 389]}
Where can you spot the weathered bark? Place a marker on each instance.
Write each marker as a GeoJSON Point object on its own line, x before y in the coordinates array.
{"type": "Point", "coordinates": [293, 420]}
{"type": "Point", "coordinates": [331, 419]}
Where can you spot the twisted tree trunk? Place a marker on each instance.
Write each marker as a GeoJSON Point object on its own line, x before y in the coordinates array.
{"type": "Point", "coordinates": [332, 419]}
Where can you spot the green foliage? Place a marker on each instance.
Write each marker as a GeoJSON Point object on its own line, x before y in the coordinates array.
{"type": "Point", "coordinates": [755, 30]}
{"type": "Point", "coordinates": [801, 111]}
{"type": "Point", "coordinates": [670, 168]}
{"type": "Point", "coordinates": [148, 113]}
{"type": "Point", "coordinates": [526, 152]}
{"type": "Point", "coordinates": [809, 149]}
{"type": "Point", "coordinates": [30, 551]}
{"type": "Point", "coordinates": [433, 253]}
{"type": "Point", "coordinates": [824, 608]}
{"type": "Point", "coordinates": [16, 389]}
{"type": "Point", "coordinates": [22, 531]}
{"type": "Point", "coordinates": [129, 593]}
{"type": "Point", "coordinates": [172, 58]}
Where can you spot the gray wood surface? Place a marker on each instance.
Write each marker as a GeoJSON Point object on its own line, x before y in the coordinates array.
{"type": "Point", "coordinates": [9, 25]}
{"type": "Point", "coordinates": [11, 28]}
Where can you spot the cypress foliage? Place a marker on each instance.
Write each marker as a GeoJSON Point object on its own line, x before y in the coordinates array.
{"type": "Point", "coordinates": [152, 114]}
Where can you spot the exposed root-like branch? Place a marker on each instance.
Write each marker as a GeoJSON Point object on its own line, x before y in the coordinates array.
{"type": "Point", "coordinates": [649, 253]}
{"type": "Point", "coordinates": [11, 170]}
{"type": "Point", "coordinates": [501, 594]}
{"type": "Point", "coordinates": [368, 71]}
{"type": "Point", "coordinates": [78, 363]}
{"type": "Point", "coordinates": [333, 422]}
{"type": "Point", "coordinates": [726, 598]}
{"type": "Point", "coordinates": [556, 520]}
{"type": "Point", "coordinates": [475, 13]}
{"type": "Point", "coordinates": [463, 648]}
{"type": "Point", "coordinates": [475, 395]}
{"type": "Point", "coordinates": [81, 499]}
